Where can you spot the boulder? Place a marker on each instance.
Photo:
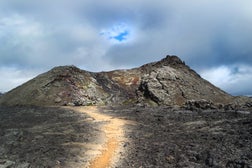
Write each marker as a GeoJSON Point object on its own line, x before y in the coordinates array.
{"type": "Point", "coordinates": [199, 104]}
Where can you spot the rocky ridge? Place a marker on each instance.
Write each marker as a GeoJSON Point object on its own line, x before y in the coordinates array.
{"type": "Point", "coordinates": [167, 82]}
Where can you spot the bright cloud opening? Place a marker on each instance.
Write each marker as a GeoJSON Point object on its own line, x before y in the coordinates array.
{"type": "Point", "coordinates": [118, 33]}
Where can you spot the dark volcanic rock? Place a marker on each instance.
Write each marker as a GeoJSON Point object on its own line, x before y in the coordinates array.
{"type": "Point", "coordinates": [68, 85]}
{"type": "Point", "coordinates": [201, 105]}
{"type": "Point", "coordinates": [168, 137]}
{"type": "Point", "coordinates": [158, 137]}
{"type": "Point", "coordinates": [171, 82]}
{"type": "Point", "coordinates": [44, 137]}
{"type": "Point", "coordinates": [167, 82]}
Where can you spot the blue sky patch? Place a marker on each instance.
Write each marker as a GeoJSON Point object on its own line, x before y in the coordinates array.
{"type": "Point", "coordinates": [122, 36]}
{"type": "Point", "coordinates": [117, 33]}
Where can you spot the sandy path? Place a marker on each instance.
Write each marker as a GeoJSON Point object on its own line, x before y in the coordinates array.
{"type": "Point", "coordinates": [107, 156]}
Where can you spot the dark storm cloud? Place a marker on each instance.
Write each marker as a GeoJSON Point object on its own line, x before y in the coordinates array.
{"type": "Point", "coordinates": [204, 35]}
{"type": "Point", "coordinates": [208, 35]}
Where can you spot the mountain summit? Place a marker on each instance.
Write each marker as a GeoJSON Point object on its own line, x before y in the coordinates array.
{"type": "Point", "coordinates": [166, 82]}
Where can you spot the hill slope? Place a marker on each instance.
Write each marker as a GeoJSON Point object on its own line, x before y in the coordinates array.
{"type": "Point", "coordinates": [166, 82]}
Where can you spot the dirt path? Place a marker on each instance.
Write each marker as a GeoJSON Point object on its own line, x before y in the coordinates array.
{"type": "Point", "coordinates": [106, 156]}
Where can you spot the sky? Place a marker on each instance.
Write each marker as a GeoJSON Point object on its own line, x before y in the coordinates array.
{"type": "Point", "coordinates": [213, 37]}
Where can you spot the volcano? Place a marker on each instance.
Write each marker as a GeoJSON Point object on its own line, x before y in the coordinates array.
{"type": "Point", "coordinates": [166, 82]}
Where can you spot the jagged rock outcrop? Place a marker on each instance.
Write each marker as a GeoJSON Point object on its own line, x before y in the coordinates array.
{"type": "Point", "coordinates": [171, 82]}
{"type": "Point", "coordinates": [166, 82]}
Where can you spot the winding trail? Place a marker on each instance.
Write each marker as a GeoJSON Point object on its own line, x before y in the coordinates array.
{"type": "Point", "coordinates": [114, 135]}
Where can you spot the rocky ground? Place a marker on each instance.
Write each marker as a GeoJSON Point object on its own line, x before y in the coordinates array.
{"type": "Point", "coordinates": [165, 137]}
{"type": "Point", "coordinates": [40, 137]}
{"type": "Point", "coordinates": [160, 137]}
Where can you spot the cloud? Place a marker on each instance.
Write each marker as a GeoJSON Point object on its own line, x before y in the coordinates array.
{"type": "Point", "coordinates": [29, 43]}
{"type": "Point", "coordinates": [13, 77]}
{"type": "Point", "coordinates": [202, 33]}
{"type": "Point", "coordinates": [205, 34]}
{"type": "Point", "coordinates": [235, 79]}
{"type": "Point", "coordinates": [120, 32]}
